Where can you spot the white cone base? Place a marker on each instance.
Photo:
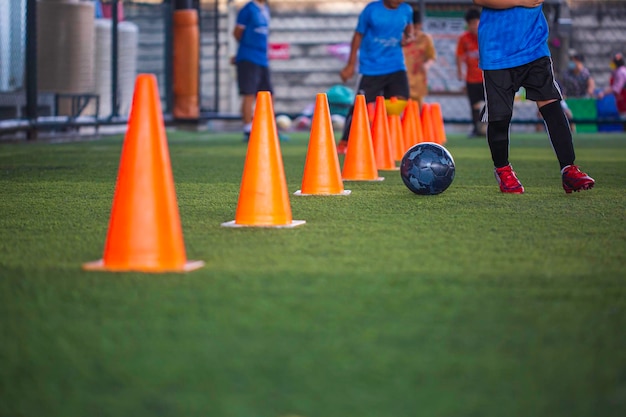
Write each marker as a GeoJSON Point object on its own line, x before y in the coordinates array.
{"type": "Point", "coordinates": [344, 192]}
{"type": "Point", "coordinates": [374, 180]}
{"type": "Point", "coordinates": [294, 223]}
{"type": "Point", "coordinates": [100, 266]}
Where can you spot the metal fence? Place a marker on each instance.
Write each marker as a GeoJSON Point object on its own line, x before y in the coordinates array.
{"type": "Point", "coordinates": [62, 65]}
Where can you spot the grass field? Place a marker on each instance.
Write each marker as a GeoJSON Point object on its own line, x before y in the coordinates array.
{"type": "Point", "coordinates": [385, 303]}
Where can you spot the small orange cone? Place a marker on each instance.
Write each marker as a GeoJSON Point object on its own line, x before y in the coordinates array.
{"type": "Point", "coordinates": [371, 112]}
{"type": "Point", "coordinates": [360, 162]}
{"type": "Point", "coordinates": [145, 232]}
{"type": "Point", "coordinates": [397, 137]}
{"type": "Point", "coordinates": [427, 124]}
{"type": "Point", "coordinates": [409, 131]}
{"type": "Point", "coordinates": [437, 118]}
{"type": "Point", "coordinates": [322, 175]}
{"type": "Point", "coordinates": [263, 196]}
{"type": "Point", "coordinates": [419, 129]}
{"type": "Point", "coordinates": [381, 138]}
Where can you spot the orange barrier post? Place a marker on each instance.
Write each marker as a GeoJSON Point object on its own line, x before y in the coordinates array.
{"type": "Point", "coordinates": [438, 126]}
{"type": "Point", "coordinates": [145, 232]}
{"type": "Point", "coordinates": [322, 175]}
{"type": "Point", "coordinates": [360, 162]}
{"type": "Point", "coordinates": [185, 65]}
{"type": "Point", "coordinates": [263, 196]}
{"type": "Point", "coordinates": [382, 138]}
{"type": "Point", "coordinates": [427, 123]}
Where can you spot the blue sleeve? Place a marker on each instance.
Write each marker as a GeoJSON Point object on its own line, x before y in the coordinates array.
{"type": "Point", "coordinates": [409, 14]}
{"type": "Point", "coordinates": [364, 19]}
{"type": "Point", "coordinates": [244, 16]}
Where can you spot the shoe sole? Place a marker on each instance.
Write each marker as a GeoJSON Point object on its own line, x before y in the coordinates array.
{"type": "Point", "coordinates": [569, 189]}
{"type": "Point", "coordinates": [512, 192]}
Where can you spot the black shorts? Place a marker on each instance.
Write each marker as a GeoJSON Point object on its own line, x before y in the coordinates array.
{"type": "Point", "coordinates": [395, 84]}
{"type": "Point", "coordinates": [252, 78]}
{"type": "Point", "coordinates": [536, 77]}
{"type": "Point", "coordinates": [475, 93]}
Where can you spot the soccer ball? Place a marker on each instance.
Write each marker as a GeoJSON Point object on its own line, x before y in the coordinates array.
{"type": "Point", "coordinates": [302, 122]}
{"type": "Point", "coordinates": [283, 122]}
{"type": "Point", "coordinates": [338, 121]}
{"type": "Point", "coordinates": [427, 168]}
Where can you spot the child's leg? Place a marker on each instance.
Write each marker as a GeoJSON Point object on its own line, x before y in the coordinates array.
{"type": "Point", "coordinates": [559, 131]}
{"type": "Point", "coordinates": [499, 95]}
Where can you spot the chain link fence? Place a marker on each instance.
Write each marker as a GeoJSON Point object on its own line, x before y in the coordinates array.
{"type": "Point", "coordinates": [309, 46]}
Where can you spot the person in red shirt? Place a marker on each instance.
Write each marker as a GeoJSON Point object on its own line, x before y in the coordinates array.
{"type": "Point", "coordinates": [467, 56]}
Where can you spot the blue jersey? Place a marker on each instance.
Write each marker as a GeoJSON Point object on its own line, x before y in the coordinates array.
{"type": "Point", "coordinates": [512, 37]}
{"type": "Point", "coordinates": [382, 28]}
{"type": "Point", "coordinates": [255, 20]}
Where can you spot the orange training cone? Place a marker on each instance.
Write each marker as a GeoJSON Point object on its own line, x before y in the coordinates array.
{"type": "Point", "coordinates": [382, 138]}
{"type": "Point", "coordinates": [371, 112]}
{"type": "Point", "coordinates": [397, 138]}
{"type": "Point", "coordinates": [360, 162]}
{"type": "Point", "coordinates": [263, 196]}
{"type": "Point", "coordinates": [409, 127]}
{"type": "Point", "coordinates": [419, 129]}
{"type": "Point", "coordinates": [438, 127]}
{"type": "Point", "coordinates": [322, 175]}
{"type": "Point", "coordinates": [427, 124]}
{"type": "Point", "coordinates": [145, 232]}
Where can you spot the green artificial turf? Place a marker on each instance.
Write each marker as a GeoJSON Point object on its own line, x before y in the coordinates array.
{"type": "Point", "coordinates": [385, 303]}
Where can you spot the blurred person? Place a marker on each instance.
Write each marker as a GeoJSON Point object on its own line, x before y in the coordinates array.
{"type": "Point", "coordinates": [252, 61]}
{"type": "Point", "coordinates": [383, 28]}
{"type": "Point", "coordinates": [577, 82]}
{"type": "Point", "coordinates": [617, 84]}
{"type": "Point", "coordinates": [419, 55]}
{"type": "Point", "coordinates": [512, 41]}
{"type": "Point", "coordinates": [467, 69]}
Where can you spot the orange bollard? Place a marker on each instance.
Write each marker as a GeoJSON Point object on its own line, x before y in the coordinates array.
{"type": "Point", "coordinates": [145, 232]}
{"type": "Point", "coordinates": [185, 65]}
{"type": "Point", "coordinates": [263, 196]}
{"type": "Point", "coordinates": [322, 175]}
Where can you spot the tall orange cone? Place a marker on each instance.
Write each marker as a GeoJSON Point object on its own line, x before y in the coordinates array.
{"type": "Point", "coordinates": [263, 196]}
{"type": "Point", "coordinates": [322, 175]}
{"type": "Point", "coordinates": [382, 138]}
{"type": "Point", "coordinates": [145, 232]}
{"type": "Point", "coordinates": [427, 123]}
{"type": "Point", "coordinates": [438, 126]}
{"type": "Point", "coordinates": [360, 162]}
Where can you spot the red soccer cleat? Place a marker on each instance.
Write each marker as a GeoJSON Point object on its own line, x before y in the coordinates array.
{"type": "Point", "coordinates": [575, 180]}
{"type": "Point", "coordinates": [508, 181]}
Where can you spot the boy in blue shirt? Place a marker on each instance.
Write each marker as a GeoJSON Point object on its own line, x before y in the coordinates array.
{"type": "Point", "coordinates": [384, 26]}
{"type": "Point", "coordinates": [512, 43]}
{"type": "Point", "coordinates": [253, 75]}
